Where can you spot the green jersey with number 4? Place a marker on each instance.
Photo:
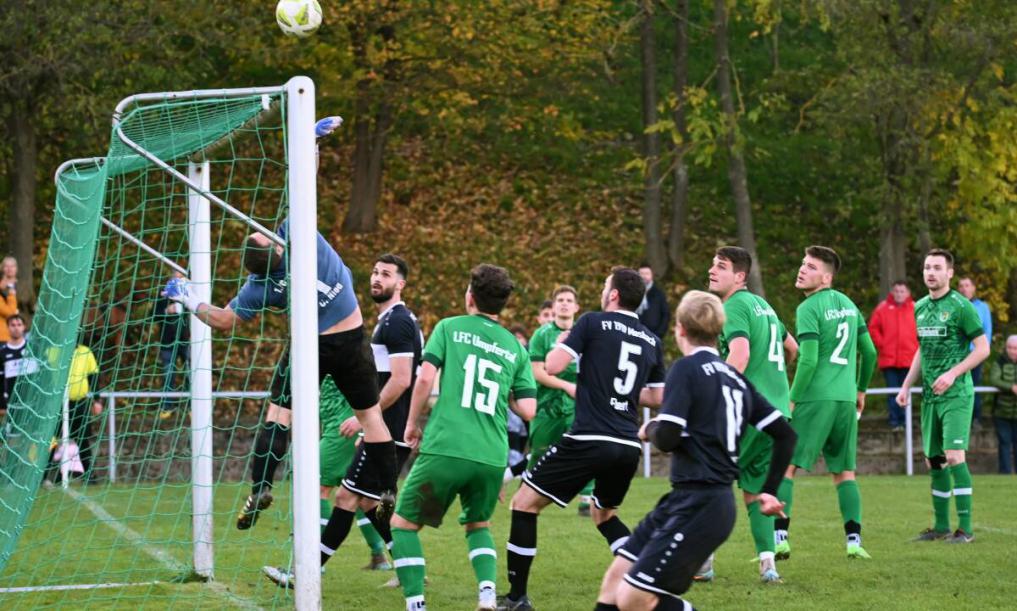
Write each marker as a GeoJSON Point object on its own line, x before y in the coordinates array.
{"type": "Point", "coordinates": [750, 316]}
{"type": "Point", "coordinates": [834, 320]}
{"type": "Point", "coordinates": [481, 362]}
{"type": "Point", "coordinates": [946, 327]}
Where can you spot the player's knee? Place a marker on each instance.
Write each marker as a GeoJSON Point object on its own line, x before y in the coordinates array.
{"type": "Point", "coordinates": [936, 463]}
{"type": "Point", "coordinates": [843, 476]}
{"type": "Point", "coordinates": [400, 522]}
{"type": "Point", "coordinates": [629, 598]}
{"type": "Point", "coordinates": [347, 499]}
{"type": "Point", "coordinates": [325, 492]}
{"type": "Point", "coordinates": [955, 457]}
{"type": "Point", "coordinates": [472, 526]}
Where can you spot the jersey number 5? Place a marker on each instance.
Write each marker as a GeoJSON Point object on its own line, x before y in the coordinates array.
{"type": "Point", "coordinates": [476, 373]}
{"type": "Point", "coordinates": [627, 368]}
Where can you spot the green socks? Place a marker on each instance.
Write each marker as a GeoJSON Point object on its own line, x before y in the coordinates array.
{"type": "Point", "coordinates": [374, 540]}
{"type": "Point", "coordinates": [962, 495]}
{"type": "Point", "coordinates": [409, 563]}
{"type": "Point", "coordinates": [941, 488]}
{"type": "Point", "coordinates": [850, 501]}
{"type": "Point", "coordinates": [762, 530]}
{"type": "Point", "coordinates": [785, 492]}
{"type": "Point", "coordinates": [326, 512]}
{"type": "Point", "coordinates": [483, 557]}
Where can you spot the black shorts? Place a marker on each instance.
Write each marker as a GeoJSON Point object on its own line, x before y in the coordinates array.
{"type": "Point", "coordinates": [366, 476]}
{"type": "Point", "coordinates": [674, 540]}
{"type": "Point", "coordinates": [344, 355]}
{"type": "Point", "coordinates": [567, 466]}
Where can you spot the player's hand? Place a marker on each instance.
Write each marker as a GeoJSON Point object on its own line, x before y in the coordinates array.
{"type": "Point", "coordinates": [564, 335]}
{"type": "Point", "coordinates": [770, 505]}
{"type": "Point", "coordinates": [642, 431]}
{"type": "Point", "coordinates": [944, 382]}
{"type": "Point", "coordinates": [861, 403]}
{"type": "Point", "coordinates": [326, 126]}
{"type": "Point", "coordinates": [412, 435]}
{"type": "Point", "coordinates": [350, 427]}
{"type": "Point", "coordinates": [902, 396]}
{"type": "Point", "coordinates": [180, 291]}
{"type": "Point", "coordinates": [570, 389]}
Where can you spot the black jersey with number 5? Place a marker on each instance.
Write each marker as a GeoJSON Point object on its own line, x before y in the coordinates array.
{"type": "Point", "coordinates": [618, 356]}
{"type": "Point", "coordinates": [714, 404]}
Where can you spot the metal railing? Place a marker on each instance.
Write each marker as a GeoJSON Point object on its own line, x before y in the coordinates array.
{"type": "Point", "coordinates": [909, 450]}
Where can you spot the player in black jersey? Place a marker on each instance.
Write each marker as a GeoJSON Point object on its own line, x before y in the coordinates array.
{"type": "Point", "coordinates": [707, 406]}
{"type": "Point", "coordinates": [622, 367]}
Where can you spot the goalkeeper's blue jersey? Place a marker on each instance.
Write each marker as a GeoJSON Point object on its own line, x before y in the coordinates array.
{"type": "Point", "coordinates": [336, 299]}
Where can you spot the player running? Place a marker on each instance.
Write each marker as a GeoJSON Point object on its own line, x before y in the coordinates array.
{"type": "Point", "coordinates": [708, 407]}
{"type": "Point", "coordinates": [835, 363]}
{"type": "Point", "coordinates": [947, 326]}
{"type": "Point", "coordinates": [754, 342]}
{"type": "Point", "coordinates": [622, 367]}
{"type": "Point", "coordinates": [464, 446]}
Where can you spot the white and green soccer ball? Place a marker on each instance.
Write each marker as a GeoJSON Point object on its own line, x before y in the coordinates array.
{"type": "Point", "coordinates": [298, 18]}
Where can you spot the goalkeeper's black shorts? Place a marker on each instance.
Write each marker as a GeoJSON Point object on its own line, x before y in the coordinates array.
{"type": "Point", "coordinates": [347, 358]}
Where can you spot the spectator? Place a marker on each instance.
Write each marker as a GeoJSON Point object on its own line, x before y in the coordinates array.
{"type": "Point", "coordinates": [653, 311]}
{"type": "Point", "coordinates": [8, 293]}
{"type": "Point", "coordinates": [14, 364]}
{"type": "Point", "coordinates": [966, 286]}
{"type": "Point", "coordinates": [174, 335]}
{"type": "Point", "coordinates": [545, 314]}
{"type": "Point", "coordinates": [893, 331]}
{"type": "Point", "coordinates": [520, 332]}
{"type": "Point", "coordinates": [1003, 376]}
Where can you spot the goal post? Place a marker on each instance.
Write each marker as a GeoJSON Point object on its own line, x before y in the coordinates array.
{"type": "Point", "coordinates": [187, 176]}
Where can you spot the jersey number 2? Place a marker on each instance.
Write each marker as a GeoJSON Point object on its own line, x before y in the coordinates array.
{"type": "Point", "coordinates": [476, 373]}
{"type": "Point", "coordinates": [627, 368]}
{"type": "Point", "coordinates": [843, 334]}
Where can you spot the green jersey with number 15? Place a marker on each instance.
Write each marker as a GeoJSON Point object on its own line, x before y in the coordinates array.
{"type": "Point", "coordinates": [481, 362]}
{"type": "Point", "coordinates": [834, 320]}
{"type": "Point", "coordinates": [749, 316]}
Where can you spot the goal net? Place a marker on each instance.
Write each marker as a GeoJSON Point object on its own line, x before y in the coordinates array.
{"type": "Point", "coordinates": [126, 494]}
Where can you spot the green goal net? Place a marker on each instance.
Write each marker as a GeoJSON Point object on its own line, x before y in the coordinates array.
{"type": "Point", "coordinates": [126, 496]}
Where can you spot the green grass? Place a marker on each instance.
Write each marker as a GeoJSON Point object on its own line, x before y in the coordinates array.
{"type": "Point", "coordinates": [65, 544]}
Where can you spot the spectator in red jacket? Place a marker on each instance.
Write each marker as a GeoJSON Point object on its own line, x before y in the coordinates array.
{"type": "Point", "coordinates": [893, 331]}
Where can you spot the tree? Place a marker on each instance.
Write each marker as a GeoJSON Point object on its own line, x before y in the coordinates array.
{"type": "Point", "coordinates": [736, 171]}
{"type": "Point", "coordinates": [680, 171]}
{"type": "Point", "coordinates": [652, 231]}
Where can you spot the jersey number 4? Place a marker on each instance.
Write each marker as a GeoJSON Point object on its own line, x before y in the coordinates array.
{"type": "Point", "coordinates": [477, 370]}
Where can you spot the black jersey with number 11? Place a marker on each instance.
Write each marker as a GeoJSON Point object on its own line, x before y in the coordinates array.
{"type": "Point", "coordinates": [618, 356]}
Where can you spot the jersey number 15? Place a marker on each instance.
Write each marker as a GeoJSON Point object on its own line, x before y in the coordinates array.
{"type": "Point", "coordinates": [477, 370]}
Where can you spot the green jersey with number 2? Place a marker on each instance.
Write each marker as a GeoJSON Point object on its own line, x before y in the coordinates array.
{"type": "Point", "coordinates": [749, 316]}
{"type": "Point", "coordinates": [834, 320]}
{"type": "Point", "coordinates": [481, 362]}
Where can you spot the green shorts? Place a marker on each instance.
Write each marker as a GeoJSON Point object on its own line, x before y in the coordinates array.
{"type": "Point", "coordinates": [754, 452]}
{"type": "Point", "coordinates": [334, 455]}
{"type": "Point", "coordinates": [827, 427]}
{"type": "Point", "coordinates": [946, 423]}
{"type": "Point", "coordinates": [435, 481]}
{"type": "Point", "coordinates": [545, 431]}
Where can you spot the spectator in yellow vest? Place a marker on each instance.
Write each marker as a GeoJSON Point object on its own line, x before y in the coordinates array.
{"type": "Point", "coordinates": [80, 380]}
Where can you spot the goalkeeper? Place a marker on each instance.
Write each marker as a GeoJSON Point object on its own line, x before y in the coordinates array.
{"type": "Point", "coordinates": [371, 479]}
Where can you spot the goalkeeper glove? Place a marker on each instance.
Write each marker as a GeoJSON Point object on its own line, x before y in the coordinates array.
{"type": "Point", "coordinates": [179, 290]}
{"type": "Point", "coordinates": [326, 126]}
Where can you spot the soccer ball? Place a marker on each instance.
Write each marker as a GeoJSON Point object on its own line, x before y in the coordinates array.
{"type": "Point", "coordinates": [299, 18]}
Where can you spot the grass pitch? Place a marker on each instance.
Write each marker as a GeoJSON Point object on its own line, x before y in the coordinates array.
{"type": "Point", "coordinates": [148, 541]}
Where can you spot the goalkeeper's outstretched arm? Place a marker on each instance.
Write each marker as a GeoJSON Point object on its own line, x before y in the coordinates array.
{"type": "Point", "coordinates": [179, 290]}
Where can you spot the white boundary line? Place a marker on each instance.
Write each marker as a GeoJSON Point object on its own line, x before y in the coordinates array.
{"type": "Point", "coordinates": [155, 553]}
{"type": "Point", "coordinates": [80, 586]}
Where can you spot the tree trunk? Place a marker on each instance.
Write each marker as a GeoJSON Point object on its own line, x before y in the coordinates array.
{"type": "Point", "coordinates": [651, 143]}
{"type": "Point", "coordinates": [892, 238]}
{"type": "Point", "coordinates": [680, 196]}
{"type": "Point", "coordinates": [736, 173]}
{"type": "Point", "coordinates": [22, 213]}
{"type": "Point", "coordinates": [1011, 296]}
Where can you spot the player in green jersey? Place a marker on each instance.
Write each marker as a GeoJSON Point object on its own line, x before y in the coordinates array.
{"type": "Point", "coordinates": [754, 342]}
{"type": "Point", "coordinates": [556, 395]}
{"type": "Point", "coordinates": [835, 363]}
{"type": "Point", "coordinates": [335, 450]}
{"type": "Point", "coordinates": [947, 325]}
{"type": "Point", "coordinates": [465, 444]}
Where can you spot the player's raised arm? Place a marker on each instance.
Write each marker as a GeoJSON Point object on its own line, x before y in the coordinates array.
{"type": "Point", "coordinates": [179, 290]}
{"type": "Point", "coordinates": [558, 360]}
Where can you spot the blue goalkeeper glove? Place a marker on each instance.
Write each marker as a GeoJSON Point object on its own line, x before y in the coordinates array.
{"type": "Point", "coordinates": [179, 290]}
{"type": "Point", "coordinates": [326, 126]}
